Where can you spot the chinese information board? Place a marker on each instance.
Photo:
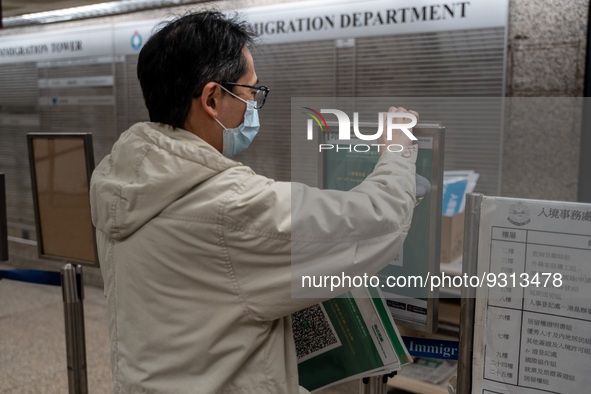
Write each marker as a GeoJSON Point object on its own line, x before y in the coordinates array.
{"type": "Point", "coordinates": [533, 328]}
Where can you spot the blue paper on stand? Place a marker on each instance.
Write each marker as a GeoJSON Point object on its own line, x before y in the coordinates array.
{"type": "Point", "coordinates": [453, 193]}
{"type": "Point", "coordinates": [455, 186]}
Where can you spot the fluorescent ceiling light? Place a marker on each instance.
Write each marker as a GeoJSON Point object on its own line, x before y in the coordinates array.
{"type": "Point", "coordinates": [90, 11]}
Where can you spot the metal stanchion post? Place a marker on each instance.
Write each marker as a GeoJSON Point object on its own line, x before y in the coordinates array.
{"type": "Point", "coordinates": [3, 221]}
{"type": "Point", "coordinates": [469, 264]}
{"type": "Point", "coordinates": [73, 295]}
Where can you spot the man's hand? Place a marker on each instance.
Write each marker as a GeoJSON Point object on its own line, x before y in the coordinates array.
{"type": "Point", "coordinates": [398, 137]}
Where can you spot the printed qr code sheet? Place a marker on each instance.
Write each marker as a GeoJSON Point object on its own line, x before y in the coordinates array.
{"type": "Point", "coordinates": [313, 333]}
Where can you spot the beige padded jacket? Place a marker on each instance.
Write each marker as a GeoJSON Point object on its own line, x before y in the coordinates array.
{"type": "Point", "coordinates": [195, 251]}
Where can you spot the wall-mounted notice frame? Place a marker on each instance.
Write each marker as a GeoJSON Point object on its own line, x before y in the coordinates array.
{"type": "Point", "coordinates": [532, 315]}
{"type": "Point", "coordinates": [412, 306]}
{"type": "Point", "coordinates": [61, 165]}
{"type": "Point", "coordinates": [3, 221]}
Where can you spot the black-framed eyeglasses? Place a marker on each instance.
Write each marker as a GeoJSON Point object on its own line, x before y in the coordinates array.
{"type": "Point", "coordinates": [260, 95]}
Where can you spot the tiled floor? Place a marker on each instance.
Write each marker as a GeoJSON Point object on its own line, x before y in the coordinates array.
{"type": "Point", "coordinates": [32, 340]}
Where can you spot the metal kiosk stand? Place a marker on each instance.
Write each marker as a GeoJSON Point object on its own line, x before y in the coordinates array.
{"type": "Point", "coordinates": [335, 173]}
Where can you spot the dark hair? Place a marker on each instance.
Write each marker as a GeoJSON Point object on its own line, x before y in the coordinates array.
{"type": "Point", "coordinates": [187, 53]}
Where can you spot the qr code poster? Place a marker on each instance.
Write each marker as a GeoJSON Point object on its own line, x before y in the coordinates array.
{"type": "Point", "coordinates": [313, 333]}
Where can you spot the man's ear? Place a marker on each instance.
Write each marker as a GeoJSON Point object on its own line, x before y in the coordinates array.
{"type": "Point", "coordinates": [210, 95]}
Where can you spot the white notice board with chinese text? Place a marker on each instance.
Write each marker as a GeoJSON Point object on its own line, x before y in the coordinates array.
{"type": "Point", "coordinates": [532, 330]}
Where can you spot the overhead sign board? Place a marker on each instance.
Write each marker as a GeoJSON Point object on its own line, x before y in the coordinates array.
{"type": "Point", "coordinates": [291, 22]}
{"type": "Point", "coordinates": [306, 21]}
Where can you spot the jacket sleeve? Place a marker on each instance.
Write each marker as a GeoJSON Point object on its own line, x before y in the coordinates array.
{"type": "Point", "coordinates": [278, 234]}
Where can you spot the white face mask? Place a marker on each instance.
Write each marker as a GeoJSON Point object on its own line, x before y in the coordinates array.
{"type": "Point", "coordinates": [239, 138]}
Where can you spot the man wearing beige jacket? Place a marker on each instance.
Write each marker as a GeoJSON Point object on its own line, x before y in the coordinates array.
{"type": "Point", "coordinates": [196, 249]}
